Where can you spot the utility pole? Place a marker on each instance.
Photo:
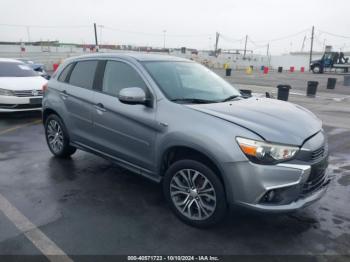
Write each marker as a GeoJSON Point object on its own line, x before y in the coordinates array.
{"type": "Point", "coordinates": [216, 43]}
{"type": "Point", "coordinates": [96, 41]}
{"type": "Point", "coordinates": [268, 53]}
{"type": "Point", "coordinates": [245, 46]}
{"type": "Point", "coordinates": [312, 45]}
{"type": "Point", "coordinates": [268, 49]}
{"type": "Point", "coordinates": [303, 45]}
{"type": "Point", "coordinates": [28, 33]}
{"type": "Point", "coordinates": [164, 33]}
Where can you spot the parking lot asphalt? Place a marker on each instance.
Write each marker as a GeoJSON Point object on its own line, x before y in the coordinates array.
{"type": "Point", "coordinates": [89, 206]}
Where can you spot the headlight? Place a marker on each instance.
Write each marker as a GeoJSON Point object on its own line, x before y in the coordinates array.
{"type": "Point", "coordinates": [5, 92]}
{"type": "Point", "coordinates": [266, 153]}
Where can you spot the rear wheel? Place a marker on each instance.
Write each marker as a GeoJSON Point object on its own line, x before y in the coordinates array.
{"type": "Point", "coordinates": [195, 193]}
{"type": "Point", "coordinates": [57, 137]}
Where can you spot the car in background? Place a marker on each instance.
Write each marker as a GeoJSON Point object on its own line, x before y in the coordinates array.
{"type": "Point", "coordinates": [39, 68]}
{"type": "Point", "coordinates": [20, 87]}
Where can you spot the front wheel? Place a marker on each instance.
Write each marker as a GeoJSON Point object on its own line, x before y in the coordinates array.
{"type": "Point", "coordinates": [57, 137]}
{"type": "Point", "coordinates": [195, 193]}
{"type": "Point", "coordinates": [317, 70]}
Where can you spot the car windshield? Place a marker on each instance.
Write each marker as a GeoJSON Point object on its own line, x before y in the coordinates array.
{"type": "Point", "coordinates": [11, 69]}
{"type": "Point", "coordinates": [189, 82]}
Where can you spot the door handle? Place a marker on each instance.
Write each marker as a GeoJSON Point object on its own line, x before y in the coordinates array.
{"type": "Point", "coordinates": [100, 107]}
{"type": "Point", "coordinates": [64, 94]}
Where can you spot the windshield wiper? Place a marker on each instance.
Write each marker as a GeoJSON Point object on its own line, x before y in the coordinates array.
{"type": "Point", "coordinates": [193, 100]}
{"type": "Point", "coordinates": [230, 98]}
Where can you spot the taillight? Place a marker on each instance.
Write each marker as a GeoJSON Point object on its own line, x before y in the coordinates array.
{"type": "Point", "coordinates": [44, 88]}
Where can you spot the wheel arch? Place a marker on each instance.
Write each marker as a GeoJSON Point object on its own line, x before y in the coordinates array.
{"type": "Point", "coordinates": [180, 152]}
{"type": "Point", "coordinates": [47, 112]}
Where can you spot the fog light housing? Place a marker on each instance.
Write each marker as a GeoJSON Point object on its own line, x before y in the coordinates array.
{"type": "Point", "coordinates": [272, 197]}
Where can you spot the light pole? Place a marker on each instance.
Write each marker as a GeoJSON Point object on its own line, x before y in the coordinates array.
{"type": "Point", "coordinates": [28, 33]}
{"type": "Point", "coordinates": [164, 33]}
{"type": "Point", "coordinates": [96, 41]}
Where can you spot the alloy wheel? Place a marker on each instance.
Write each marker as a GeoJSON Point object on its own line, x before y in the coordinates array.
{"type": "Point", "coordinates": [55, 136]}
{"type": "Point", "coordinates": [193, 194]}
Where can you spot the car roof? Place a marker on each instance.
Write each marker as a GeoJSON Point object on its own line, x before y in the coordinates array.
{"type": "Point", "coordinates": [132, 56]}
{"type": "Point", "coordinates": [10, 60]}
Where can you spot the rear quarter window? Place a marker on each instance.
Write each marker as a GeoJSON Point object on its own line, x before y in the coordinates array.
{"type": "Point", "coordinates": [65, 72]}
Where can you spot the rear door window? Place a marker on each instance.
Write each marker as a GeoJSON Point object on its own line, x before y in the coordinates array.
{"type": "Point", "coordinates": [83, 74]}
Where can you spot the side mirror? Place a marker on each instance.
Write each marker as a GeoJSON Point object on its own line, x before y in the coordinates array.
{"type": "Point", "coordinates": [132, 96]}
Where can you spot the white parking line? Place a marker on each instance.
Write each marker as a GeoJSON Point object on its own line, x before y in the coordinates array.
{"type": "Point", "coordinates": [35, 235]}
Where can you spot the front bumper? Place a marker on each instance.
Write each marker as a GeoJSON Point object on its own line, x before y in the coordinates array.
{"type": "Point", "coordinates": [251, 185]}
{"type": "Point", "coordinates": [300, 203]}
{"type": "Point", "coordinates": [18, 104]}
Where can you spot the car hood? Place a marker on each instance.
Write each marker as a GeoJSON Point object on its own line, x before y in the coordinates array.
{"type": "Point", "coordinates": [22, 83]}
{"type": "Point", "coordinates": [273, 120]}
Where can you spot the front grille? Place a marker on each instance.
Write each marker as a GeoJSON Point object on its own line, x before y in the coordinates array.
{"type": "Point", "coordinates": [27, 93]}
{"type": "Point", "coordinates": [316, 179]}
{"type": "Point", "coordinates": [318, 153]}
{"type": "Point", "coordinates": [21, 106]}
{"type": "Point", "coordinates": [313, 185]}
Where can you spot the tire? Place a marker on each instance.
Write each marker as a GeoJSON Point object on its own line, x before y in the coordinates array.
{"type": "Point", "coordinates": [56, 130]}
{"type": "Point", "coordinates": [316, 69]}
{"type": "Point", "coordinates": [204, 205]}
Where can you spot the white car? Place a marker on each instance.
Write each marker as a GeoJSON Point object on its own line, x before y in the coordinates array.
{"type": "Point", "coordinates": [20, 87]}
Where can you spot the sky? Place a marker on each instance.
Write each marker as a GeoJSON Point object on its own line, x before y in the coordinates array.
{"type": "Point", "coordinates": [284, 24]}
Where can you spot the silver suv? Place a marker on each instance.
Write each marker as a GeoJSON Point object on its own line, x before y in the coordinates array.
{"type": "Point", "coordinates": [176, 122]}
